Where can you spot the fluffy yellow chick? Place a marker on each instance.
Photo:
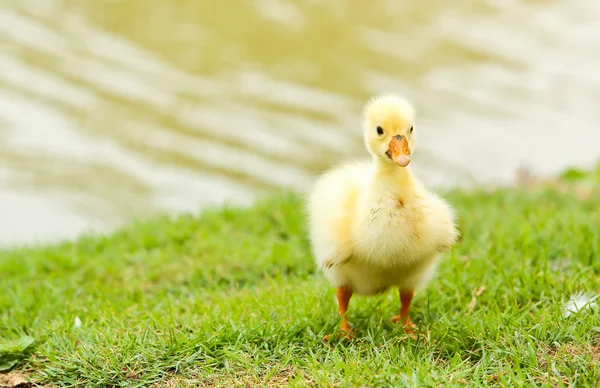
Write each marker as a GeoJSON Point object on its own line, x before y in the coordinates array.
{"type": "Point", "coordinates": [373, 225]}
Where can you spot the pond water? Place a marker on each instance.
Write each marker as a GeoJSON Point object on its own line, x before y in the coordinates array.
{"type": "Point", "coordinates": [117, 109]}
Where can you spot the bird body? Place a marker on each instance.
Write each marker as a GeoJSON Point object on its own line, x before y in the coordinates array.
{"type": "Point", "coordinates": [373, 225]}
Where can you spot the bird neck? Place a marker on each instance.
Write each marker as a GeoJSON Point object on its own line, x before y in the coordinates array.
{"type": "Point", "coordinates": [391, 174]}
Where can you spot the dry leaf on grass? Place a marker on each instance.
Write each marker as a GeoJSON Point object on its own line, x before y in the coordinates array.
{"type": "Point", "coordinates": [476, 292]}
{"type": "Point", "coordinates": [14, 379]}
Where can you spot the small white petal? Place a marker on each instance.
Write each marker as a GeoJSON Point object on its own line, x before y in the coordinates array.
{"type": "Point", "coordinates": [580, 302]}
{"type": "Point", "coordinates": [77, 323]}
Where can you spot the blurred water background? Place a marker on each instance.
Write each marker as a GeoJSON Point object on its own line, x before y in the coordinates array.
{"type": "Point", "coordinates": [114, 109]}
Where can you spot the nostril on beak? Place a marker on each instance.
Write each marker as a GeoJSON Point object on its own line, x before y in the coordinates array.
{"type": "Point", "coordinates": [398, 137]}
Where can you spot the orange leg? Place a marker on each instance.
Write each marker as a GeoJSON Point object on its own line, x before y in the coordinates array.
{"type": "Point", "coordinates": [405, 300]}
{"type": "Point", "coordinates": [343, 297]}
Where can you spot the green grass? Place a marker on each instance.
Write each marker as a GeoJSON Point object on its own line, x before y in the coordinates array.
{"type": "Point", "coordinates": [231, 297]}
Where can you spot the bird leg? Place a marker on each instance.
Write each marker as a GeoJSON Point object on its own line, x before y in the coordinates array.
{"type": "Point", "coordinates": [343, 295]}
{"type": "Point", "coordinates": [405, 300]}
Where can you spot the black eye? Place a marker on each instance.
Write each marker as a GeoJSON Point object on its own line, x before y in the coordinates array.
{"type": "Point", "coordinates": [379, 130]}
{"type": "Point", "coordinates": [411, 129]}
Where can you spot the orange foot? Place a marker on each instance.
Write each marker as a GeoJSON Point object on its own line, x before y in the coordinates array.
{"type": "Point", "coordinates": [346, 332]}
{"type": "Point", "coordinates": [343, 295]}
{"type": "Point", "coordinates": [405, 300]}
{"type": "Point", "coordinates": [409, 327]}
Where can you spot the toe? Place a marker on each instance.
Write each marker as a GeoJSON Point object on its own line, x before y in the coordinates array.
{"type": "Point", "coordinates": [410, 328]}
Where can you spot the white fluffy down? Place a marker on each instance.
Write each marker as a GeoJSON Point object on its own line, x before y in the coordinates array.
{"type": "Point", "coordinates": [373, 225]}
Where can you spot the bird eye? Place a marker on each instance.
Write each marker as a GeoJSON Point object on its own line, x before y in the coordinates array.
{"type": "Point", "coordinates": [379, 130]}
{"type": "Point", "coordinates": [411, 129]}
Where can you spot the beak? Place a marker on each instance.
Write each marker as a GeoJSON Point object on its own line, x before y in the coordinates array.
{"type": "Point", "coordinates": [399, 151]}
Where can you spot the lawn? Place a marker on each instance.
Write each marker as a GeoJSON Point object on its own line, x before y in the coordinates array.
{"type": "Point", "coordinates": [231, 297]}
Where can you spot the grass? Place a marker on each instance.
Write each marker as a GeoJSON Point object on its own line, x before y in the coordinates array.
{"type": "Point", "coordinates": [232, 298]}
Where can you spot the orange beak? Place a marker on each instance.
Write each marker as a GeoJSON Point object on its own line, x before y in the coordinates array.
{"type": "Point", "coordinates": [399, 151]}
